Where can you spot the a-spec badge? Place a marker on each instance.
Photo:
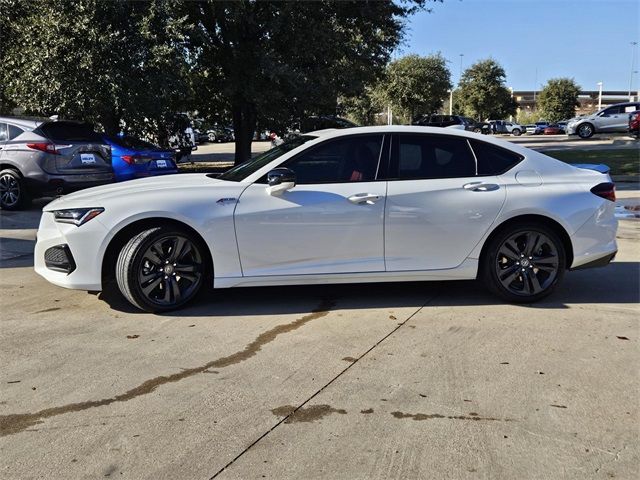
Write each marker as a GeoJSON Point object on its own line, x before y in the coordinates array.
{"type": "Point", "coordinates": [222, 201]}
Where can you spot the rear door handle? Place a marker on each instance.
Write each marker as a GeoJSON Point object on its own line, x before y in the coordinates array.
{"type": "Point", "coordinates": [364, 198]}
{"type": "Point", "coordinates": [481, 187]}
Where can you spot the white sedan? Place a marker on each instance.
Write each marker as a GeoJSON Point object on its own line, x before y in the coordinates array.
{"type": "Point", "coordinates": [371, 204]}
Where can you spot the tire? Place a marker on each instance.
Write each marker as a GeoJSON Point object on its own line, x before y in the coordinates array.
{"type": "Point", "coordinates": [211, 137]}
{"type": "Point", "coordinates": [13, 192]}
{"type": "Point", "coordinates": [508, 255]}
{"type": "Point", "coordinates": [586, 130]}
{"type": "Point", "coordinates": [477, 130]}
{"type": "Point", "coordinates": [160, 269]}
{"type": "Point", "coordinates": [516, 132]}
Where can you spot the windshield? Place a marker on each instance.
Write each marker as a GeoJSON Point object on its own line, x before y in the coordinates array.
{"type": "Point", "coordinates": [242, 171]}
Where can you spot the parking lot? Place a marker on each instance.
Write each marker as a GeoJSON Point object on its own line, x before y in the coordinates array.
{"type": "Point", "coordinates": [421, 380]}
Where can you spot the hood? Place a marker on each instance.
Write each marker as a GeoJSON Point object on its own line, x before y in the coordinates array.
{"type": "Point", "coordinates": [99, 196]}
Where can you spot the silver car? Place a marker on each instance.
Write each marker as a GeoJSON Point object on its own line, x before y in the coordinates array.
{"type": "Point", "coordinates": [613, 119]}
{"type": "Point", "coordinates": [49, 158]}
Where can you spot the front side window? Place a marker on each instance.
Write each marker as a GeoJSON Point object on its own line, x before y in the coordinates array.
{"type": "Point", "coordinates": [242, 171]}
{"type": "Point", "coordinates": [493, 160]}
{"type": "Point", "coordinates": [431, 156]}
{"type": "Point", "coordinates": [347, 159]}
{"type": "Point", "coordinates": [611, 111]}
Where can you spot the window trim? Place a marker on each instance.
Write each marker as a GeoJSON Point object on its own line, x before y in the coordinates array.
{"type": "Point", "coordinates": [384, 136]}
{"type": "Point", "coordinates": [396, 141]}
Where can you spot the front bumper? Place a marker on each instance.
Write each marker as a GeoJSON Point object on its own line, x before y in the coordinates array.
{"type": "Point", "coordinates": [571, 129]}
{"type": "Point", "coordinates": [84, 245]}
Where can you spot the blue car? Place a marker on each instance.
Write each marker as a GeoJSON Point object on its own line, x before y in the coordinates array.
{"type": "Point", "coordinates": [135, 158]}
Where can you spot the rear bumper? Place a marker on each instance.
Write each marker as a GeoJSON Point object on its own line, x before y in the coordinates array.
{"type": "Point", "coordinates": [44, 183]}
{"type": "Point", "coordinates": [598, 262]}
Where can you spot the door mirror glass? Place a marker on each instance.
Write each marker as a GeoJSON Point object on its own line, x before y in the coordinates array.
{"type": "Point", "coordinates": [280, 180]}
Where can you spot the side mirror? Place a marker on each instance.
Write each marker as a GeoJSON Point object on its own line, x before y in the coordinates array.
{"type": "Point", "coordinates": [280, 180]}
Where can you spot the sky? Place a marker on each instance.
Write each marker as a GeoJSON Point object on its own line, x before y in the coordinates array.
{"type": "Point", "coordinates": [587, 40]}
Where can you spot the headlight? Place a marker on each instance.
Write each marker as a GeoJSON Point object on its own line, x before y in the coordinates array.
{"type": "Point", "coordinates": [76, 216]}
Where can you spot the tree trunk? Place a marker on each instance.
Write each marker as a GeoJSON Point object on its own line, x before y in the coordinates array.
{"type": "Point", "coordinates": [244, 126]}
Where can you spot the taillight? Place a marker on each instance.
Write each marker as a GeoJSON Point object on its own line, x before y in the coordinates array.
{"type": "Point", "coordinates": [44, 147]}
{"type": "Point", "coordinates": [605, 190]}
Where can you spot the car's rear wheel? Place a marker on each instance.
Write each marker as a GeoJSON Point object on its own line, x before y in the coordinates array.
{"type": "Point", "coordinates": [516, 132]}
{"type": "Point", "coordinates": [586, 130]}
{"type": "Point", "coordinates": [13, 194]}
{"type": "Point", "coordinates": [524, 263]}
{"type": "Point", "coordinates": [160, 269]}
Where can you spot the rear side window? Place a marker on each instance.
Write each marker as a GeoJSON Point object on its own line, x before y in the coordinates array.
{"type": "Point", "coordinates": [3, 132]}
{"type": "Point", "coordinates": [70, 132]}
{"type": "Point", "coordinates": [494, 160]}
{"type": "Point", "coordinates": [431, 156]}
{"type": "Point", "coordinates": [14, 131]}
{"type": "Point", "coordinates": [349, 159]}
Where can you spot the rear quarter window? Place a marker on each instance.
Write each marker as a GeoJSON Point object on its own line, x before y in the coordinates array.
{"type": "Point", "coordinates": [14, 131]}
{"type": "Point", "coordinates": [494, 160]}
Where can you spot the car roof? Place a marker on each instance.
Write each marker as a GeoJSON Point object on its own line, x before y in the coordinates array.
{"type": "Point", "coordinates": [24, 122]}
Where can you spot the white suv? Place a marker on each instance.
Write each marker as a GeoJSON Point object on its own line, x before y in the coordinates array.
{"type": "Point", "coordinates": [608, 120]}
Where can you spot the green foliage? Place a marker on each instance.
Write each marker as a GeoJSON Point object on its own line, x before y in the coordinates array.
{"type": "Point", "coordinates": [416, 85]}
{"type": "Point", "coordinates": [276, 62]}
{"type": "Point", "coordinates": [558, 99]}
{"type": "Point", "coordinates": [101, 61]}
{"type": "Point", "coordinates": [483, 94]}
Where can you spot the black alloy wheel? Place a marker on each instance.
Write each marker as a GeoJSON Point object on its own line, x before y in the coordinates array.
{"type": "Point", "coordinates": [160, 269]}
{"type": "Point", "coordinates": [524, 264]}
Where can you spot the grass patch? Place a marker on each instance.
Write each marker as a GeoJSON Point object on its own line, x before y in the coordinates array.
{"type": "Point", "coordinates": [621, 161]}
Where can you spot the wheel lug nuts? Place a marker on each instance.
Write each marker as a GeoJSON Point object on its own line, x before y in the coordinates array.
{"type": "Point", "coordinates": [517, 263]}
{"type": "Point", "coordinates": [523, 269]}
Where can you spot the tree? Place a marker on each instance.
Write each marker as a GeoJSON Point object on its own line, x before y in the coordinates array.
{"type": "Point", "coordinates": [415, 84]}
{"type": "Point", "coordinates": [275, 62]}
{"type": "Point", "coordinates": [111, 63]}
{"type": "Point", "coordinates": [559, 98]}
{"type": "Point", "coordinates": [483, 93]}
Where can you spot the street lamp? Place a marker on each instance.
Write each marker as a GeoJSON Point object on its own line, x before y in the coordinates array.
{"type": "Point", "coordinates": [599, 95]}
{"type": "Point", "coordinates": [633, 57]}
{"type": "Point", "coordinates": [450, 101]}
{"type": "Point", "coordinates": [511, 90]}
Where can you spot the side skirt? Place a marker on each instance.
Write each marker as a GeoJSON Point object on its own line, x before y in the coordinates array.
{"type": "Point", "coordinates": [466, 271]}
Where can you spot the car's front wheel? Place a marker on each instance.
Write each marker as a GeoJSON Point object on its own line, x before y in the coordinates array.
{"type": "Point", "coordinates": [160, 269]}
{"type": "Point", "coordinates": [524, 263]}
{"type": "Point", "coordinates": [516, 132]}
{"type": "Point", "coordinates": [586, 130]}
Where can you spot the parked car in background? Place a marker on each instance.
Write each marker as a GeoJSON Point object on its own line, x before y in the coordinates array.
{"type": "Point", "coordinates": [505, 127]}
{"type": "Point", "coordinates": [613, 119]}
{"type": "Point", "coordinates": [634, 123]}
{"type": "Point", "coordinates": [49, 158]}
{"type": "Point", "coordinates": [372, 204]}
{"type": "Point", "coordinates": [451, 121]}
{"type": "Point", "coordinates": [531, 129]}
{"type": "Point", "coordinates": [135, 158]}
{"type": "Point", "coordinates": [554, 129]}
{"type": "Point", "coordinates": [220, 134]}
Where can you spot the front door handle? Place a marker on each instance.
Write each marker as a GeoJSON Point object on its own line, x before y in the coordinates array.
{"type": "Point", "coordinates": [481, 187]}
{"type": "Point", "coordinates": [364, 198]}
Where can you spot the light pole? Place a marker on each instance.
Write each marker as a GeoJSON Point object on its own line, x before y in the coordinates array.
{"type": "Point", "coordinates": [461, 55]}
{"type": "Point", "coordinates": [599, 95]}
{"type": "Point", "coordinates": [633, 57]}
{"type": "Point", "coordinates": [511, 90]}
{"type": "Point", "coordinates": [450, 101]}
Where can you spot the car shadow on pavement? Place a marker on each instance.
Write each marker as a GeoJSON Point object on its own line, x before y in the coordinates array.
{"type": "Point", "coordinates": [618, 283]}
{"type": "Point", "coordinates": [23, 219]}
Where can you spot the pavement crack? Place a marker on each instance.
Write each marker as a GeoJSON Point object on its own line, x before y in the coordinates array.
{"type": "Point", "coordinates": [15, 423]}
{"type": "Point", "coordinates": [291, 411]}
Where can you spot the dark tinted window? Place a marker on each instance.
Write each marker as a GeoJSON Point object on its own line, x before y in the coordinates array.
{"type": "Point", "coordinates": [350, 159]}
{"type": "Point", "coordinates": [493, 160]}
{"type": "Point", "coordinates": [14, 131]}
{"type": "Point", "coordinates": [133, 143]}
{"type": "Point", "coordinates": [70, 132]}
{"type": "Point", "coordinates": [3, 132]}
{"type": "Point", "coordinates": [613, 110]}
{"type": "Point", "coordinates": [431, 156]}
{"type": "Point", "coordinates": [242, 171]}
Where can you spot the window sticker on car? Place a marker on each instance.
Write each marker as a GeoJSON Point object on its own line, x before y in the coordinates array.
{"type": "Point", "coordinates": [87, 158]}
{"type": "Point", "coordinates": [161, 163]}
